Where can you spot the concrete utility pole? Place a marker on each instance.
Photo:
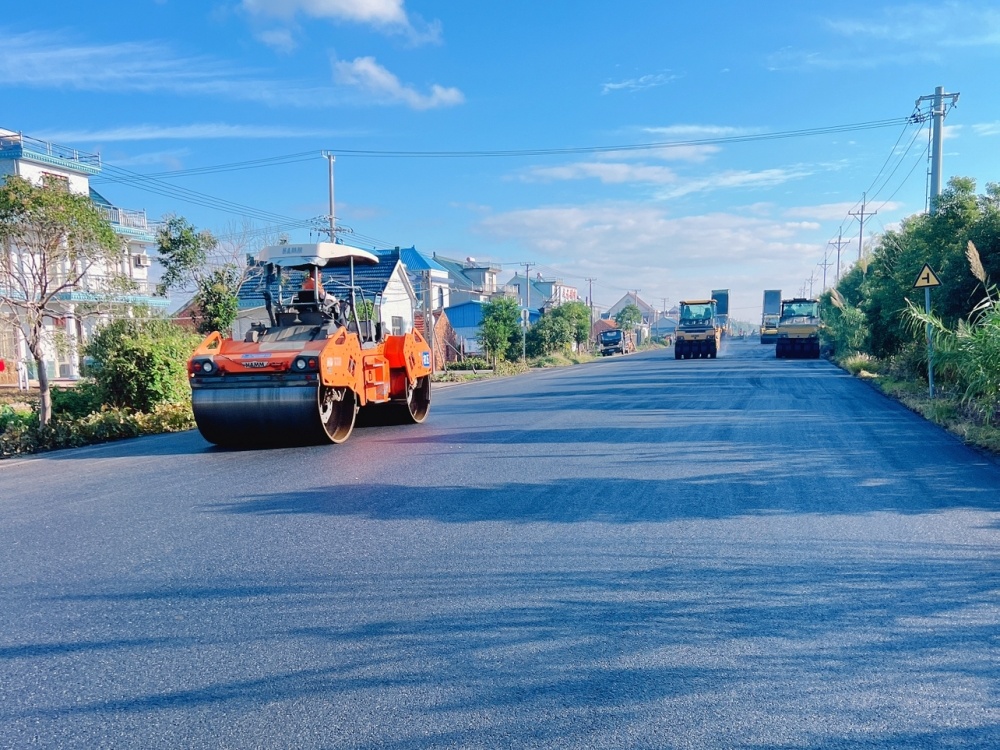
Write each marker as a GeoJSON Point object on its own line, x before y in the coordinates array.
{"type": "Point", "coordinates": [527, 311]}
{"type": "Point", "coordinates": [333, 226]}
{"type": "Point", "coordinates": [590, 299]}
{"type": "Point", "coordinates": [824, 265]}
{"type": "Point", "coordinates": [811, 280]}
{"type": "Point", "coordinates": [429, 316]}
{"type": "Point", "coordinates": [839, 244]}
{"type": "Point", "coordinates": [860, 216]}
{"type": "Point", "coordinates": [527, 284]}
{"type": "Point", "coordinates": [938, 112]}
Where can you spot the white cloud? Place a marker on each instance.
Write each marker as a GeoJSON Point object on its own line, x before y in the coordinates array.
{"type": "Point", "coordinates": [699, 132]}
{"type": "Point", "coordinates": [664, 153]}
{"type": "Point", "coordinates": [641, 83]}
{"type": "Point", "coordinates": [827, 211]}
{"type": "Point", "coordinates": [179, 132]}
{"type": "Point", "coordinates": [281, 40]}
{"type": "Point", "coordinates": [736, 179]}
{"type": "Point", "coordinates": [52, 61]}
{"type": "Point", "coordinates": [608, 173]}
{"type": "Point", "coordinates": [987, 128]}
{"type": "Point", "coordinates": [172, 159]}
{"type": "Point", "coordinates": [365, 74]}
{"type": "Point", "coordinates": [901, 34]}
{"type": "Point", "coordinates": [625, 245]}
{"type": "Point", "coordinates": [948, 24]}
{"type": "Point", "coordinates": [389, 16]}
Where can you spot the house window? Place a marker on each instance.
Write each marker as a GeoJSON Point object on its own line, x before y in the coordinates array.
{"type": "Point", "coordinates": [440, 297]}
{"type": "Point", "coordinates": [397, 325]}
{"type": "Point", "coordinates": [59, 181]}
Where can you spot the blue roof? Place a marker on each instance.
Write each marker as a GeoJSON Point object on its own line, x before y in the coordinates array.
{"type": "Point", "coordinates": [371, 280]}
{"type": "Point", "coordinates": [413, 259]}
{"type": "Point", "coordinates": [99, 199]}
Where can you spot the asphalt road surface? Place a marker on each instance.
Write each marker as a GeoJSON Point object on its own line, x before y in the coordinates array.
{"type": "Point", "coordinates": [633, 553]}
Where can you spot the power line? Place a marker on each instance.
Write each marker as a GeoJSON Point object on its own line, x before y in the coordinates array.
{"type": "Point", "coordinates": [271, 161]}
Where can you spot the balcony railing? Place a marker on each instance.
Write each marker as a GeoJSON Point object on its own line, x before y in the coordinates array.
{"type": "Point", "coordinates": [118, 288]}
{"type": "Point", "coordinates": [25, 145]}
{"type": "Point", "coordinates": [125, 217]}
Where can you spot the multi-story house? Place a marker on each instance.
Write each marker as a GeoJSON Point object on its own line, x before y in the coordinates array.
{"type": "Point", "coordinates": [470, 280]}
{"type": "Point", "coordinates": [83, 308]}
{"type": "Point", "coordinates": [540, 293]}
{"type": "Point", "coordinates": [472, 284]}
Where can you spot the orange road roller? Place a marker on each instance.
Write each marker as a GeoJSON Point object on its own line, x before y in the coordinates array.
{"type": "Point", "coordinates": [302, 377]}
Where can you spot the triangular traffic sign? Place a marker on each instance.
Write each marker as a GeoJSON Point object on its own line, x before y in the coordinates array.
{"type": "Point", "coordinates": [926, 277]}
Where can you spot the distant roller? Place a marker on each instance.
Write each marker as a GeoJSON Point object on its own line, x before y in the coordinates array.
{"type": "Point", "coordinates": [305, 378]}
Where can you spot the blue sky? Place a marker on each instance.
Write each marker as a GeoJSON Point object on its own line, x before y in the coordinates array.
{"type": "Point", "coordinates": [170, 86]}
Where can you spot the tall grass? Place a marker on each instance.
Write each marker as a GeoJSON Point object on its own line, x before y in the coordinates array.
{"type": "Point", "coordinates": [969, 353]}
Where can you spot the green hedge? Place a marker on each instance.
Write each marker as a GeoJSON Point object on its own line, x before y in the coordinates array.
{"type": "Point", "coordinates": [21, 433]}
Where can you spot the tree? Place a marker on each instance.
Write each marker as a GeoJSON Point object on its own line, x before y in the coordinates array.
{"type": "Point", "coordinates": [216, 301]}
{"type": "Point", "coordinates": [628, 317]}
{"type": "Point", "coordinates": [183, 252]}
{"type": "Point", "coordinates": [551, 333]}
{"type": "Point", "coordinates": [500, 331]}
{"type": "Point", "coordinates": [54, 240]}
{"type": "Point", "coordinates": [578, 315]}
{"type": "Point", "coordinates": [881, 285]}
{"type": "Point", "coordinates": [214, 268]}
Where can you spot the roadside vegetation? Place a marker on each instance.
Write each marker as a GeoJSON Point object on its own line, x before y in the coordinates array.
{"type": "Point", "coordinates": [136, 385]}
{"type": "Point", "coordinates": [875, 322]}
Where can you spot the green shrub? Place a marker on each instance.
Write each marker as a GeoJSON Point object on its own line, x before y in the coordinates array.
{"type": "Point", "coordinates": [510, 368]}
{"type": "Point", "coordinates": [78, 401]}
{"type": "Point", "coordinates": [470, 363]}
{"type": "Point", "coordinates": [855, 363]}
{"type": "Point", "coordinates": [909, 362]}
{"type": "Point", "coordinates": [138, 364]}
{"type": "Point", "coordinates": [24, 436]}
{"type": "Point", "coordinates": [11, 418]}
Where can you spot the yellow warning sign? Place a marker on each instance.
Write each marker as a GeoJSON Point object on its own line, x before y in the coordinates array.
{"type": "Point", "coordinates": [926, 277]}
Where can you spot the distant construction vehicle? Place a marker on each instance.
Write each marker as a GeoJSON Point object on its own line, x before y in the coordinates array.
{"type": "Point", "coordinates": [616, 341]}
{"type": "Point", "coordinates": [721, 297]}
{"type": "Point", "coordinates": [798, 329]}
{"type": "Point", "coordinates": [770, 316]}
{"type": "Point", "coordinates": [303, 377]}
{"type": "Point", "coordinates": [699, 333]}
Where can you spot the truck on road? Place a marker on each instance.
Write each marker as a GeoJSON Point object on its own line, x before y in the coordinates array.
{"type": "Point", "coordinates": [721, 297]}
{"type": "Point", "coordinates": [770, 316]}
{"type": "Point", "coordinates": [616, 341]}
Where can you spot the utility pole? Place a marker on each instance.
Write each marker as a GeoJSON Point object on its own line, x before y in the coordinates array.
{"type": "Point", "coordinates": [429, 316]}
{"type": "Point", "coordinates": [526, 315]}
{"type": "Point", "coordinates": [825, 264]}
{"type": "Point", "coordinates": [811, 280]}
{"type": "Point", "coordinates": [839, 244]}
{"type": "Point", "coordinates": [938, 112]}
{"type": "Point", "coordinates": [860, 216]}
{"type": "Point", "coordinates": [590, 298]}
{"type": "Point", "coordinates": [331, 158]}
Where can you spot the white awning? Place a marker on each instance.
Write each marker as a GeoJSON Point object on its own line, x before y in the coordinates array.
{"type": "Point", "coordinates": [322, 254]}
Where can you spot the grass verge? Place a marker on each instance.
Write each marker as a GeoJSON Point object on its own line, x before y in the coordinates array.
{"type": "Point", "coordinates": [946, 409]}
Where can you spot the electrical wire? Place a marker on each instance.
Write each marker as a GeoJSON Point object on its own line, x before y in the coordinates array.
{"type": "Point", "coordinates": [271, 161]}
{"type": "Point", "coordinates": [747, 138]}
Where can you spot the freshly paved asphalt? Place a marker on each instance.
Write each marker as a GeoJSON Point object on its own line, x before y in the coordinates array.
{"type": "Point", "coordinates": [634, 553]}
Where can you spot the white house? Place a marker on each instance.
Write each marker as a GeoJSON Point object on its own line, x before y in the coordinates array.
{"type": "Point", "coordinates": [35, 161]}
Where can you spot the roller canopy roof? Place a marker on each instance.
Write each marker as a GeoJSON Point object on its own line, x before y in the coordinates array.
{"type": "Point", "coordinates": [322, 254]}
